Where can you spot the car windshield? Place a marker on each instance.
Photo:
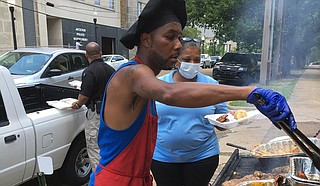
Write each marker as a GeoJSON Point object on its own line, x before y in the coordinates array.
{"type": "Point", "coordinates": [106, 58]}
{"type": "Point", "coordinates": [23, 63]}
{"type": "Point", "coordinates": [236, 59]}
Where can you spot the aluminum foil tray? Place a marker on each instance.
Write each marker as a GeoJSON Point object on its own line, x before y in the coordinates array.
{"type": "Point", "coordinates": [280, 148]}
{"type": "Point", "coordinates": [304, 164]}
{"type": "Point", "coordinates": [258, 183]}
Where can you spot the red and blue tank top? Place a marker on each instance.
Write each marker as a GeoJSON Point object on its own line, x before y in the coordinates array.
{"type": "Point", "coordinates": [126, 155]}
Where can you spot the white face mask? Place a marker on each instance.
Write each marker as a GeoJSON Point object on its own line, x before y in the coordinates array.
{"type": "Point", "coordinates": [189, 70]}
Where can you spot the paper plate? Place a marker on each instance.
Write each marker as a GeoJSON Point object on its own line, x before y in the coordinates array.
{"type": "Point", "coordinates": [254, 114]}
{"type": "Point", "coordinates": [226, 125]}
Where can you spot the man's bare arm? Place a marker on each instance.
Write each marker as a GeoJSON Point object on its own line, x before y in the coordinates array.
{"type": "Point", "coordinates": [81, 101]}
{"type": "Point", "coordinates": [146, 85]}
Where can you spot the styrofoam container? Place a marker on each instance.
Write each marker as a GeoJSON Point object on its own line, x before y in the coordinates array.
{"type": "Point", "coordinates": [63, 103]}
{"type": "Point", "coordinates": [212, 118]}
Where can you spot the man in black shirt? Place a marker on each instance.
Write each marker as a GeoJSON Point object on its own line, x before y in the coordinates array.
{"type": "Point", "coordinates": [94, 80]}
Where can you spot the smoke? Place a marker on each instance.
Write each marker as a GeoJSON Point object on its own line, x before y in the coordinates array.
{"type": "Point", "coordinates": [296, 33]}
{"type": "Point", "coordinates": [301, 33]}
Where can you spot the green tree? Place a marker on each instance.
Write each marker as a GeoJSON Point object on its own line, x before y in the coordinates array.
{"type": "Point", "coordinates": [242, 22]}
{"type": "Point", "coordinates": [237, 20]}
{"type": "Point", "coordinates": [315, 54]}
{"type": "Point", "coordinates": [191, 32]}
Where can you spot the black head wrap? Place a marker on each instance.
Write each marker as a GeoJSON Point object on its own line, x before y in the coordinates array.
{"type": "Point", "coordinates": [155, 14]}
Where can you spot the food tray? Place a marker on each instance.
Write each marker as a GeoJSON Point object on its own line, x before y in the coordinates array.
{"type": "Point", "coordinates": [254, 114]}
{"type": "Point", "coordinates": [63, 103]}
{"type": "Point", "coordinates": [304, 164]}
{"type": "Point", "coordinates": [226, 125]}
{"type": "Point", "coordinates": [281, 148]}
{"type": "Point", "coordinates": [258, 183]}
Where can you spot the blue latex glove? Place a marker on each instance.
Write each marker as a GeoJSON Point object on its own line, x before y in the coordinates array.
{"type": "Point", "coordinates": [277, 108]}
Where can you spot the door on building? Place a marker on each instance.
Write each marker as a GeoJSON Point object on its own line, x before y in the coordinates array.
{"type": "Point", "coordinates": [108, 45]}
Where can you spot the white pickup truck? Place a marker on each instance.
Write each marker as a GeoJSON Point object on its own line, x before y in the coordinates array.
{"type": "Point", "coordinates": [30, 128]}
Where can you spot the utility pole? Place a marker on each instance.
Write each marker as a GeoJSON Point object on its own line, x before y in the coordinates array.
{"type": "Point", "coordinates": [269, 74]}
{"type": "Point", "coordinates": [11, 8]}
{"type": "Point", "coordinates": [276, 62]}
{"type": "Point", "coordinates": [95, 29]}
{"type": "Point", "coordinates": [265, 63]}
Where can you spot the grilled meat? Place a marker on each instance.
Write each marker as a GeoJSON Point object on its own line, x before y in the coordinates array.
{"type": "Point", "coordinates": [223, 118]}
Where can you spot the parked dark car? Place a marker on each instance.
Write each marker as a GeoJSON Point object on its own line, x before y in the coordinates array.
{"type": "Point", "coordinates": [243, 68]}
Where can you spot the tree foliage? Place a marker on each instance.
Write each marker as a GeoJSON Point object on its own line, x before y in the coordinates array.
{"type": "Point", "coordinates": [191, 32]}
{"type": "Point", "coordinates": [242, 22]}
{"type": "Point", "coordinates": [237, 20]}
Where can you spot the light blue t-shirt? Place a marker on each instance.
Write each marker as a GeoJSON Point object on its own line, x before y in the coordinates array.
{"type": "Point", "coordinates": [184, 135]}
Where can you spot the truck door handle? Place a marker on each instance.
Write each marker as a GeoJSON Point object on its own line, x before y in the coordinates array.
{"type": "Point", "coordinates": [10, 138]}
{"type": "Point", "coordinates": [70, 78]}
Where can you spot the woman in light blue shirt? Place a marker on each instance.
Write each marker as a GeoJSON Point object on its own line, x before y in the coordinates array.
{"type": "Point", "coordinates": [187, 148]}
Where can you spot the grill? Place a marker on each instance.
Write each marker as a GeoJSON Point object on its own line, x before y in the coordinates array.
{"type": "Point", "coordinates": [239, 166]}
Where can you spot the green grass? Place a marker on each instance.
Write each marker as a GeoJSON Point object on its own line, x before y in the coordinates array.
{"type": "Point", "coordinates": [283, 86]}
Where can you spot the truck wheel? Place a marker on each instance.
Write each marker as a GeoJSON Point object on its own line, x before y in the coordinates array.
{"type": "Point", "coordinates": [77, 168]}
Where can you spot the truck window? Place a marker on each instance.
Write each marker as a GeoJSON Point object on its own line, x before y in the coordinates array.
{"type": "Point", "coordinates": [3, 114]}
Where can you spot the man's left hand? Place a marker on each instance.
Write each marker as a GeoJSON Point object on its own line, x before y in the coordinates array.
{"type": "Point", "coordinates": [75, 105]}
{"type": "Point", "coordinates": [275, 108]}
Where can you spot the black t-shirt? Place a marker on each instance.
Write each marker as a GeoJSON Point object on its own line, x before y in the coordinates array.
{"type": "Point", "coordinates": [94, 80]}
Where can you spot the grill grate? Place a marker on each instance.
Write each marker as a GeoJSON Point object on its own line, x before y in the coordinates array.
{"type": "Point", "coordinates": [239, 166]}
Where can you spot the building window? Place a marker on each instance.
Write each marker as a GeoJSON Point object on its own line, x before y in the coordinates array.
{"type": "Point", "coordinates": [97, 2]}
{"type": "Point", "coordinates": [111, 4]}
{"type": "Point", "coordinates": [140, 7]}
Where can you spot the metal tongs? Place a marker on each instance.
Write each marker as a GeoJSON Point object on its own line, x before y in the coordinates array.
{"type": "Point", "coordinates": [298, 137]}
{"type": "Point", "coordinates": [244, 148]}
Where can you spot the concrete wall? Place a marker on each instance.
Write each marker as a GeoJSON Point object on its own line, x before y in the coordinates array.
{"type": "Point", "coordinates": [54, 26]}
{"type": "Point", "coordinates": [85, 11]}
{"type": "Point", "coordinates": [6, 36]}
